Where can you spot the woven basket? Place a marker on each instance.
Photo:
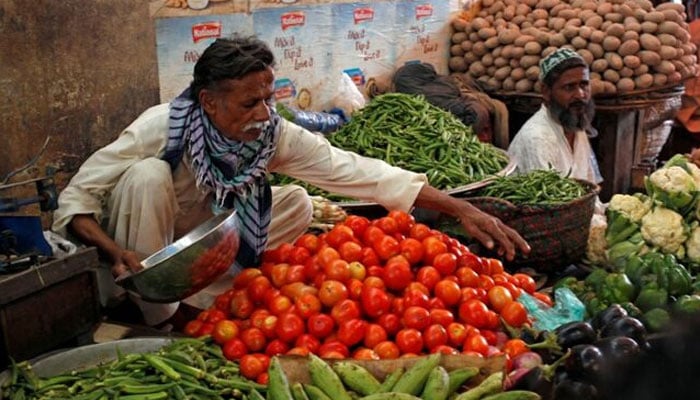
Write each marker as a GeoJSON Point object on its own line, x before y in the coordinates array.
{"type": "Point", "coordinates": [557, 234]}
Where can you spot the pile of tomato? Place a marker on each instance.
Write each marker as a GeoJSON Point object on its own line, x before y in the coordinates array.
{"type": "Point", "coordinates": [368, 289]}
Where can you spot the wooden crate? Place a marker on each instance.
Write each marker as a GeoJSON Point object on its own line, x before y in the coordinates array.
{"type": "Point", "coordinates": [49, 306]}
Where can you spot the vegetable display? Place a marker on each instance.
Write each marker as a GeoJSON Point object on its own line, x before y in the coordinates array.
{"type": "Point", "coordinates": [539, 187]}
{"type": "Point", "coordinates": [183, 369]}
{"type": "Point", "coordinates": [629, 45]}
{"type": "Point", "coordinates": [407, 131]}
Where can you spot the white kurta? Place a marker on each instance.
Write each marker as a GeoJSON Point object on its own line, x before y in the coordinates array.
{"type": "Point", "coordinates": [146, 206]}
{"type": "Point", "coordinates": [541, 142]}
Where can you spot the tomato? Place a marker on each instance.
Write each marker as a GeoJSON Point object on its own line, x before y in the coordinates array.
{"type": "Point", "coordinates": [486, 282]}
{"type": "Point", "coordinates": [493, 321]}
{"type": "Point", "coordinates": [234, 349]}
{"type": "Point", "coordinates": [257, 289]}
{"type": "Point", "coordinates": [354, 287]}
{"type": "Point", "coordinates": [472, 261]}
{"type": "Point", "coordinates": [309, 241]}
{"type": "Point", "coordinates": [514, 314]}
{"type": "Point", "coordinates": [372, 235]}
{"type": "Point", "coordinates": [308, 341]}
{"type": "Point", "coordinates": [251, 366]}
{"type": "Point", "coordinates": [432, 246]}
{"type": "Point", "coordinates": [364, 353]}
{"type": "Point", "coordinates": [499, 296]}
{"type": "Point", "coordinates": [369, 257]}
{"type": "Point", "coordinates": [416, 317]}
{"type": "Point", "coordinates": [514, 290]}
{"type": "Point", "coordinates": [374, 301]}
{"type": "Point", "coordinates": [448, 291]}
{"type": "Point", "coordinates": [386, 247]}
{"type": "Point", "coordinates": [415, 297]}
{"type": "Point", "coordinates": [278, 274]}
{"type": "Point", "coordinates": [279, 304]}
{"type": "Point", "coordinates": [543, 297]}
{"type": "Point", "coordinates": [299, 255]}
{"type": "Point", "coordinates": [417, 286]}
{"type": "Point", "coordinates": [445, 263]}
{"type": "Point", "coordinates": [409, 340]}
{"type": "Point", "coordinates": [192, 327]}
{"type": "Point", "coordinates": [241, 306]}
{"type": "Point", "coordinates": [289, 326]}
{"type": "Point", "coordinates": [295, 290]}
{"type": "Point", "coordinates": [525, 282]}
{"type": "Point", "coordinates": [476, 343]}
{"type": "Point", "coordinates": [390, 322]}
{"type": "Point", "coordinates": [332, 292]}
{"type": "Point", "coordinates": [211, 315]}
{"type": "Point", "coordinates": [338, 270]}
{"type": "Point", "coordinates": [243, 279]}
{"type": "Point", "coordinates": [435, 335]}
{"type": "Point", "coordinates": [490, 336]}
{"type": "Point", "coordinates": [345, 310]}
{"type": "Point", "coordinates": [428, 276]}
{"type": "Point", "coordinates": [295, 274]}
{"type": "Point", "coordinates": [387, 350]}
{"type": "Point", "coordinates": [307, 305]}
{"type": "Point", "coordinates": [298, 351]}
{"type": "Point", "coordinates": [514, 347]}
{"type": "Point", "coordinates": [254, 339]}
{"type": "Point", "coordinates": [352, 331]}
{"type": "Point", "coordinates": [333, 346]}
{"type": "Point", "coordinates": [269, 325]}
{"type": "Point", "coordinates": [374, 281]}
{"type": "Point", "coordinates": [326, 255]}
{"type": "Point", "coordinates": [320, 325]}
{"type": "Point", "coordinates": [223, 301]}
{"type": "Point", "coordinates": [374, 335]}
{"type": "Point", "coordinates": [357, 223]}
{"type": "Point", "coordinates": [473, 312]}
{"type": "Point", "coordinates": [276, 347]}
{"type": "Point", "coordinates": [419, 231]}
{"type": "Point", "coordinates": [224, 331]}
{"type": "Point", "coordinates": [495, 266]}
{"type": "Point", "coordinates": [397, 275]}
{"type": "Point", "coordinates": [435, 303]}
{"type": "Point", "coordinates": [456, 334]}
{"type": "Point", "coordinates": [441, 316]}
{"type": "Point", "coordinates": [398, 305]}
{"type": "Point", "coordinates": [339, 234]}
{"type": "Point", "coordinates": [387, 224]}
{"type": "Point", "coordinates": [404, 220]}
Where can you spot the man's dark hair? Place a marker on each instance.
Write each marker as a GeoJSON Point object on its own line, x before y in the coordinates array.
{"type": "Point", "coordinates": [562, 67]}
{"type": "Point", "coordinates": [229, 58]}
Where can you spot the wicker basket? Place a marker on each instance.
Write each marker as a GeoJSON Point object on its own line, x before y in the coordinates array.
{"type": "Point", "coordinates": [557, 234]}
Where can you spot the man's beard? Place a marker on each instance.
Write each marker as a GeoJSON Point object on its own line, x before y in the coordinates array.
{"type": "Point", "coordinates": [571, 120]}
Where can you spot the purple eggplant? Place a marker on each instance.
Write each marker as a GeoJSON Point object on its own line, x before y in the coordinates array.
{"type": "Point", "coordinates": [626, 326]}
{"type": "Point", "coordinates": [570, 389]}
{"type": "Point", "coordinates": [574, 333]}
{"type": "Point", "coordinates": [586, 361]}
{"type": "Point", "coordinates": [610, 314]}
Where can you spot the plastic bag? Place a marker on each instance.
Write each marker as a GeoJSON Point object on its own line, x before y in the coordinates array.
{"type": "Point", "coordinates": [348, 98]}
{"type": "Point", "coordinates": [567, 308]}
{"type": "Point", "coordinates": [314, 121]}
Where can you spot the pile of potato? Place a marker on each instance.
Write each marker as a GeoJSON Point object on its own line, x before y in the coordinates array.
{"type": "Point", "coordinates": [629, 44]}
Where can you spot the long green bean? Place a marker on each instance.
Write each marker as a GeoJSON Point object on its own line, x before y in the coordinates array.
{"type": "Point", "coordinates": [539, 187]}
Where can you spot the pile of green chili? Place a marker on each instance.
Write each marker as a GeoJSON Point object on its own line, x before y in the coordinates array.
{"type": "Point", "coordinates": [407, 131]}
{"type": "Point", "coordinates": [539, 187]}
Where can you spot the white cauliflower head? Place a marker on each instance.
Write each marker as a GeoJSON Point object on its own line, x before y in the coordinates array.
{"type": "Point", "coordinates": [673, 179]}
{"type": "Point", "coordinates": [664, 229]}
{"type": "Point", "coordinates": [695, 173]}
{"type": "Point", "coordinates": [596, 245]}
{"type": "Point", "coordinates": [630, 206]}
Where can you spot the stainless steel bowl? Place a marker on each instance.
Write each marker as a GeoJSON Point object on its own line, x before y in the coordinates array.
{"type": "Point", "coordinates": [188, 265]}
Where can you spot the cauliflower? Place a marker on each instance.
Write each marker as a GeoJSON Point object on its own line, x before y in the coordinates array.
{"type": "Point", "coordinates": [673, 187]}
{"type": "Point", "coordinates": [692, 245]}
{"type": "Point", "coordinates": [596, 245]}
{"type": "Point", "coordinates": [664, 229]}
{"type": "Point", "coordinates": [694, 171]}
{"type": "Point", "coordinates": [632, 207]}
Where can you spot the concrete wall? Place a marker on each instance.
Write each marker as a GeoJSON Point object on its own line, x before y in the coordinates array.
{"type": "Point", "coordinates": [74, 70]}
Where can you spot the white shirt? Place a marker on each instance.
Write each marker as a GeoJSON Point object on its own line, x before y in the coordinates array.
{"type": "Point", "coordinates": [541, 142]}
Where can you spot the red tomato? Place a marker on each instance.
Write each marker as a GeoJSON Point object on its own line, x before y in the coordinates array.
{"type": "Point", "coordinates": [206, 329]}
{"type": "Point", "coordinates": [279, 304]}
{"type": "Point", "coordinates": [428, 276]}
{"type": "Point", "coordinates": [251, 366]}
{"type": "Point", "coordinates": [374, 335]}
{"type": "Point", "coordinates": [415, 297]}
{"type": "Point", "coordinates": [390, 322]}
{"type": "Point", "coordinates": [339, 234]}
{"type": "Point", "coordinates": [514, 314]}
{"type": "Point", "coordinates": [278, 274]}
{"type": "Point", "coordinates": [364, 353]}
{"type": "Point", "coordinates": [326, 255]}
{"type": "Point", "coordinates": [241, 305]}
{"type": "Point", "coordinates": [432, 246]}
{"type": "Point", "coordinates": [372, 235]}
{"type": "Point", "coordinates": [441, 316]}
{"type": "Point", "coordinates": [295, 274]}
{"type": "Point", "coordinates": [276, 347]}
{"type": "Point", "coordinates": [338, 270]}
{"type": "Point", "coordinates": [375, 302]}
{"type": "Point", "coordinates": [543, 297]}
{"type": "Point", "coordinates": [308, 341]}
{"type": "Point", "coordinates": [397, 276]}
{"type": "Point", "coordinates": [369, 257]}
{"type": "Point", "coordinates": [192, 327]}
{"type": "Point", "coordinates": [332, 292]}
{"type": "Point", "coordinates": [387, 350]}
{"type": "Point", "coordinates": [298, 351]}
{"type": "Point", "coordinates": [486, 282]}
{"type": "Point", "coordinates": [234, 349]}
{"type": "Point", "coordinates": [404, 220]}
{"type": "Point", "coordinates": [333, 346]}
{"type": "Point", "coordinates": [309, 241]}
{"type": "Point", "coordinates": [269, 325]}
{"type": "Point", "coordinates": [212, 315]}
{"type": "Point", "coordinates": [472, 261]}
{"type": "Point", "coordinates": [435, 335]}
{"type": "Point", "coordinates": [490, 336]}
{"type": "Point", "coordinates": [474, 312]}
{"type": "Point", "coordinates": [515, 347]}
{"type": "Point", "coordinates": [386, 247]}
{"type": "Point", "coordinates": [352, 331]}
{"type": "Point", "coordinates": [386, 224]}
{"type": "Point", "coordinates": [345, 310]}
{"type": "Point", "coordinates": [243, 279]}
{"type": "Point", "coordinates": [445, 263]}
{"type": "Point", "coordinates": [355, 287]}
{"type": "Point", "coordinates": [257, 289]}
{"type": "Point", "coordinates": [419, 231]}
{"type": "Point", "coordinates": [357, 270]}
{"type": "Point", "coordinates": [223, 301]}
{"type": "Point", "coordinates": [254, 339]}
{"type": "Point", "coordinates": [320, 325]}
{"type": "Point", "coordinates": [525, 282]}
{"type": "Point", "coordinates": [307, 305]}
{"type": "Point", "coordinates": [448, 291]}
{"type": "Point", "coordinates": [416, 317]}
{"type": "Point", "coordinates": [499, 296]}
{"type": "Point", "coordinates": [289, 327]}
{"type": "Point", "coordinates": [357, 223]}
{"type": "Point", "coordinates": [476, 343]}
{"type": "Point", "coordinates": [456, 333]}
{"type": "Point", "coordinates": [434, 302]}
{"type": "Point", "coordinates": [374, 281]}
{"type": "Point", "coordinates": [299, 255]}
{"type": "Point", "coordinates": [224, 331]}
{"type": "Point", "coordinates": [350, 251]}
{"type": "Point", "coordinates": [495, 266]}
{"type": "Point", "coordinates": [409, 340]}
{"type": "Point", "coordinates": [444, 349]}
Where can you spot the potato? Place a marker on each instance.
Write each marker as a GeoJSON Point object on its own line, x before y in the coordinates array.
{"type": "Point", "coordinates": [654, 16]}
{"type": "Point", "coordinates": [597, 36]}
{"type": "Point", "coordinates": [631, 24]}
{"type": "Point", "coordinates": [587, 55]}
{"type": "Point", "coordinates": [479, 49]}
{"type": "Point", "coordinates": [456, 50]}
{"type": "Point", "coordinates": [496, 52]}
{"type": "Point", "coordinates": [615, 29]}
{"type": "Point", "coordinates": [625, 85]}
{"type": "Point", "coordinates": [672, 15]}
{"type": "Point", "coordinates": [599, 65]}
{"type": "Point", "coordinates": [539, 14]}
{"type": "Point", "coordinates": [466, 45]}
{"type": "Point", "coordinates": [644, 81]}
{"type": "Point", "coordinates": [626, 72]}
{"type": "Point", "coordinates": [477, 68]}
{"type": "Point", "coordinates": [630, 35]}
{"type": "Point", "coordinates": [488, 3]}
{"type": "Point", "coordinates": [650, 42]}
{"type": "Point", "coordinates": [493, 83]}
{"type": "Point", "coordinates": [568, 14]}
{"type": "Point", "coordinates": [517, 73]}
{"type": "Point", "coordinates": [629, 48]}
{"type": "Point", "coordinates": [518, 52]}
{"type": "Point", "coordinates": [660, 79]}
{"type": "Point", "coordinates": [570, 31]}
{"type": "Point", "coordinates": [610, 87]}
{"type": "Point", "coordinates": [459, 37]}
{"type": "Point", "coordinates": [611, 43]}
{"type": "Point", "coordinates": [529, 60]}
{"type": "Point", "coordinates": [474, 37]}
{"type": "Point", "coordinates": [507, 51]}
{"type": "Point", "coordinates": [522, 9]}
{"type": "Point", "coordinates": [533, 48]}
{"type": "Point", "coordinates": [596, 49]}
{"type": "Point", "coordinates": [540, 23]}
{"type": "Point", "coordinates": [631, 61]}
{"type": "Point", "coordinates": [649, 27]}
{"type": "Point", "coordinates": [650, 58]}
{"type": "Point", "coordinates": [679, 8]}
{"type": "Point", "coordinates": [674, 77]}
{"type": "Point", "coordinates": [523, 86]}
{"type": "Point", "coordinates": [532, 73]}
{"type": "Point", "coordinates": [508, 84]}
{"type": "Point", "coordinates": [585, 32]}
{"type": "Point", "coordinates": [586, 14]}
{"type": "Point", "coordinates": [614, 60]}
{"type": "Point", "coordinates": [625, 10]}
{"type": "Point", "coordinates": [577, 22]}
{"type": "Point", "coordinates": [641, 70]}
{"type": "Point", "coordinates": [479, 23]}
{"type": "Point", "coordinates": [509, 12]}
{"type": "Point", "coordinates": [614, 17]}
{"type": "Point", "coordinates": [518, 19]}
{"type": "Point", "coordinates": [499, 62]}
{"type": "Point", "coordinates": [594, 22]}
{"type": "Point", "coordinates": [665, 67]}
{"type": "Point", "coordinates": [645, 5]}
{"type": "Point", "coordinates": [485, 33]}
{"type": "Point", "coordinates": [668, 52]}
{"type": "Point", "coordinates": [557, 10]}
{"type": "Point", "coordinates": [470, 57]}
{"type": "Point", "coordinates": [604, 8]}
{"type": "Point", "coordinates": [547, 4]}
{"type": "Point", "coordinates": [502, 73]}
{"type": "Point", "coordinates": [556, 24]}
{"type": "Point", "coordinates": [492, 42]}
{"type": "Point", "coordinates": [611, 75]}
{"type": "Point", "coordinates": [597, 87]}
{"type": "Point", "coordinates": [487, 60]}
{"type": "Point", "coordinates": [579, 43]}
{"type": "Point", "coordinates": [557, 40]}
{"type": "Point", "coordinates": [457, 64]}
{"type": "Point", "coordinates": [549, 50]}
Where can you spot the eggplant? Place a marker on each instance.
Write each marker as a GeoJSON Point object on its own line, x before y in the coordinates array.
{"type": "Point", "coordinates": [626, 326]}
{"type": "Point", "coordinates": [610, 314]}
{"type": "Point", "coordinates": [618, 351]}
{"type": "Point", "coordinates": [585, 361]}
{"type": "Point", "coordinates": [574, 333]}
{"type": "Point", "coordinates": [535, 380]}
{"type": "Point", "coordinates": [570, 389]}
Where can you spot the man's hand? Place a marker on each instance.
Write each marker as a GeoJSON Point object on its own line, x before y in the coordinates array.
{"type": "Point", "coordinates": [125, 261]}
{"type": "Point", "coordinates": [493, 233]}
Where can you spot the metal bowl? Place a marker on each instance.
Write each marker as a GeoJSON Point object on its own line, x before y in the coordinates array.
{"type": "Point", "coordinates": [188, 265]}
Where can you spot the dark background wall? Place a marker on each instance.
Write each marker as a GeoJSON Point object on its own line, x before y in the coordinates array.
{"type": "Point", "coordinates": [76, 71]}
